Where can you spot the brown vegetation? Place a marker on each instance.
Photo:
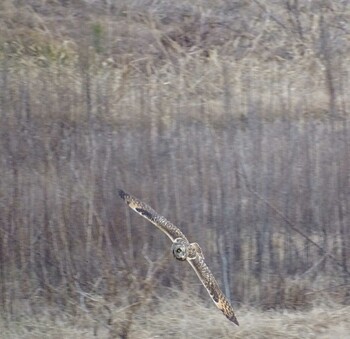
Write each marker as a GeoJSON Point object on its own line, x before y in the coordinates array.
{"type": "Point", "coordinates": [189, 318]}
{"type": "Point", "coordinates": [230, 119]}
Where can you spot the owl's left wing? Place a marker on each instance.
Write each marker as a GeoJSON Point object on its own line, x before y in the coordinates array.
{"type": "Point", "coordinates": [206, 277]}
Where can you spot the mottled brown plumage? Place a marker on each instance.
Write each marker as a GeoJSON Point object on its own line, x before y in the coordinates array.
{"type": "Point", "coordinates": [184, 250]}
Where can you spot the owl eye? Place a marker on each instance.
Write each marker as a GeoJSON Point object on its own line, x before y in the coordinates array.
{"type": "Point", "coordinates": [178, 250]}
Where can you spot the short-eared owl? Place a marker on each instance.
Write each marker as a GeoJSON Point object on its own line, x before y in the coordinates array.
{"type": "Point", "coordinates": [184, 250]}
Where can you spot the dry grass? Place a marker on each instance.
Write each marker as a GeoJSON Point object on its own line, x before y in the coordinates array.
{"type": "Point", "coordinates": [191, 50]}
{"type": "Point", "coordinates": [186, 318]}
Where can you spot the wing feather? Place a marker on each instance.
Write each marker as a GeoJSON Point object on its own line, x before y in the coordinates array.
{"type": "Point", "coordinates": [206, 277]}
{"type": "Point", "coordinates": [151, 215]}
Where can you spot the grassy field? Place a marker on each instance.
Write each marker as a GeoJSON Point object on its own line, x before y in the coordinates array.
{"type": "Point", "coordinates": [179, 316]}
{"type": "Point", "coordinates": [229, 118]}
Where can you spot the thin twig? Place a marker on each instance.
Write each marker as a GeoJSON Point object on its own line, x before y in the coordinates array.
{"type": "Point", "coordinates": [289, 223]}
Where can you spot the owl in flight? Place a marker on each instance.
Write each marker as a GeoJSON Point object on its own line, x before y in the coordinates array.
{"type": "Point", "coordinates": [184, 250]}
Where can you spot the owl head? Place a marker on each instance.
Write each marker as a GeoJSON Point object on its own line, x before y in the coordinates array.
{"type": "Point", "coordinates": [179, 248]}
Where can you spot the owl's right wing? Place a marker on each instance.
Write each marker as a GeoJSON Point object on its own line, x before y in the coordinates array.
{"type": "Point", "coordinates": [151, 215]}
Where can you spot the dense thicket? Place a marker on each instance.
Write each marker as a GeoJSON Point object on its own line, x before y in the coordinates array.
{"type": "Point", "coordinates": [241, 141]}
